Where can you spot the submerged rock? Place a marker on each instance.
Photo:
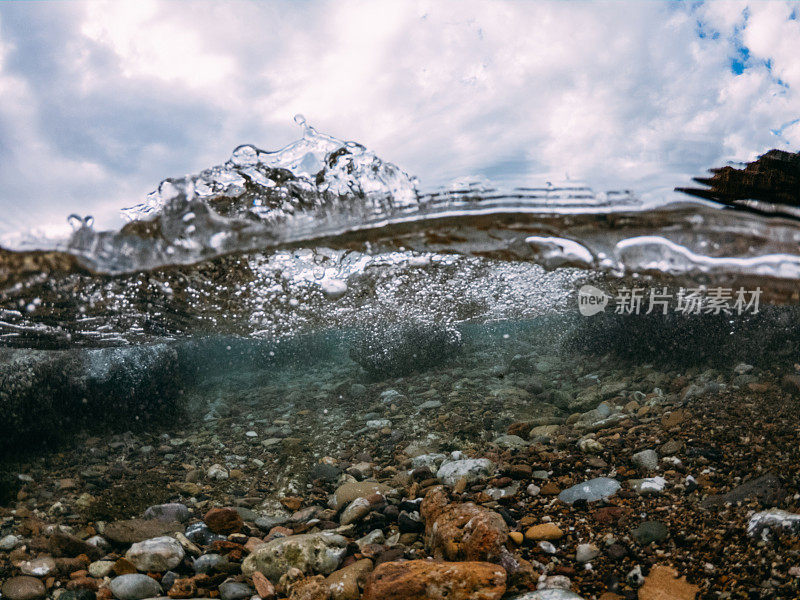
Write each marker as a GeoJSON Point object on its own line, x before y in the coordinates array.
{"type": "Point", "coordinates": [462, 531]}
{"type": "Point", "coordinates": [23, 588]}
{"type": "Point", "coordinates": [429, 580]}
{"type": "Point", "coordinates": [134, 587]}
{"type": "Point", "coordinates": [772, 520]}
{"type": "Point", "coordinates": [397, 350]}
{"type": "Point", "coordinates": [471, 469]}
{"type": "Point", "coordinates": [593, 490]}
{"type": "Point", "coordinates": [157, 555]}
{"type": "Point", "coordinates": [311, 553]}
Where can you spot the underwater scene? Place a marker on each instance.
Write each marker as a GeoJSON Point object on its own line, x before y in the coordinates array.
{"type": "Point", "coordinates": [301, 374]}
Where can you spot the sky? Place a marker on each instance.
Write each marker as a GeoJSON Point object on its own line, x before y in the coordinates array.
{"type": "Point", "coordinates": [100, 101]}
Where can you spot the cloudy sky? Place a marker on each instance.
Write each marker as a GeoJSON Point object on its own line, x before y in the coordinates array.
{"type": "Point", "coordinates": [100, 101]}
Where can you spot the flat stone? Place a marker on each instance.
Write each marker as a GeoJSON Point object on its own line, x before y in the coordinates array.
{"type": "Point", "coordinates": [344, 583]}
{"type": "Point", "coordinates": [773, 520]}
{"type": "Point", "coordinates": [233, 590]}
{"type": "Point", "coordinates": [348, 492]}
{"type": "Point", "coordinates": [138, 530]}
{"type": "Point", "coordinates": [767, 490]}
{"type": "Point", "coordinates": [662, 583]}
{"type": "Point", "coordinates": [544, 531]}
{"type": "Point", "coordinates": [553, 594]}
{"type": "Point", "coordinates": [134, 587]}
{"type": "Point", "coordinates": [511, 441]}
{"type": "Point", "coordinates": [38, 567]}
{"type": "Point", "coordinates": [649, 532]}
{"type": "Point", "coordinates": [431, 580]}
{"type": "Point", "coordinates": [171, 512]}
{"type": "Point", "coordinates": [23, 588]}
{"type": "Point", "coordinates": [311, 553]}
{"type": "Point", "coordinates": [646, 460]}
{"type": "Point", "coordinates": [156, 555]}
{"type": "Point", "coordinates": [600, 488]}
{"type": "Point", "coordinates": [470, 469]}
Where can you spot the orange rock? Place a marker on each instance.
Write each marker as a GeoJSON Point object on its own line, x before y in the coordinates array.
{"type": "Point", "coordinates": [183, 588]}
{"type": "Point", "coordinates": [544, 531]}
{"type": "Point", "coordinates": [310, 588]}
{"type": "Point", "coordinates": [462, 531]}
{"type": "Point", "coordinates": [223, 520]}
{"type": "Point", "coordinates": [430, 580]}
{"type": "Point", "coordinates": [662, 583]}
{"type": "Point", "coordinates": [292, 502]}
{"type": "Point", "coordinates": [124, 567]}
{"type": "Point", "coordinates": [264, 587]}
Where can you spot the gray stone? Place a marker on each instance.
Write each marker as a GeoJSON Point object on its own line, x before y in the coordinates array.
{"type": "Point", "coordinates": [470, 469]}
{"type": "Point", "coordinates": [554, 594]}
{"type": "Point", "coordinates": [9, 542]}
{"type": "Point", "coordinates": [267, 522]}
{"type": "Point", "coordinates": [134, 587]}
{"type": "Point", "coordinates": [511, 441]}
{"type": "Point", "coordinates": [311, 553]}
{"type": "Point", "coordinates": [649, 532]}
{"type": "Point", "coordinates": [210, 563]}
{"type": "Point", "coordinates": [172, 511]}
{"type": "Point", "coordinates": [430, 405]}
{"type": "Point", "coordinates": [158, 554]}
{"type": "Point", "coordinates": [586, 552]}
{"type": "Point", "coordinates": [765, 522]}
{"type": "Point", "coordinates": [647, 460]}
{"type": "Point", "coordinates": [101, 568]}
{"type": "Point", "coordinates": [593, 490]}
{"type": "Point", "coordinates": [38, 567]}
{"type": "Point", "coordinates": [651, 486]}
{"type": "Point", "coordinates": [355, 511]}
{"type": "Point", "coordinates": [233, 590]}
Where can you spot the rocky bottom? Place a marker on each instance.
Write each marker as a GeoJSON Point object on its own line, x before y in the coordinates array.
{"type": "Point", "coordinates": [528, 477]}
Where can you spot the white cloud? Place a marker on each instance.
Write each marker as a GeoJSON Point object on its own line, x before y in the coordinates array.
{"type": "Point", "coordinates": [622, 94]}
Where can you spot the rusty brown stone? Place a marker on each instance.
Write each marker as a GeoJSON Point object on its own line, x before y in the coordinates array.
{"type": "Point", "coordinates": [223, 521]}
{"type": "Point", "coordinates": [662, 583]}
{"type": "Point", "coordinates": [429, 580]}
{"type": "Point", "coordinates": [263, 586]}
{"type": "Point", "coordinates": [183, 588]}
{"type": "Point", "coordinates": [462, 531]}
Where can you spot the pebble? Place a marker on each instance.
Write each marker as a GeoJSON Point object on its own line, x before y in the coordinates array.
{"type": "Point", "coordinates": [647, 460]}
{"type": "Point", "coordinates": [430, 405]}
{"type": "Point", "coordinates": [311, 553]}
{"type": "Point", "coordinates": [533, 490]}
{"type": "Point", "coordinates": [134, 587]}
{"type": "Point", "coordinates": [762, 523]}
{"type": "Point", "coordinates": [544, 531]}
{"type": "Point", "coordinates": [9, 542]}
{"type": "Point", "coordinates": [23, 588]}
{"type": "Point", "coordinates": [600, 488]}
{"type": "Point", "coordinates": [172, 511]}
{"type": "Point", "coordinates": [101, 568]}
{"type": "Point", "coordinates": [233, 590]}
{"type": "Point", "coordinates": [649, 532]}
{"type": "Point", "coordinates": [586, 552]}
{"type": "Point", "coordinates": [38, 567]}
{"type": "Point", "coordinates": [217, 473]}
{"type": "Point", "coordinates": [209, 563]}
{"type": "Point", "coordinates": [651, 486]}
{"type": "Point", "coordinates": [158, 554]}
{"type": "Point", "coordinates": [472, 469]}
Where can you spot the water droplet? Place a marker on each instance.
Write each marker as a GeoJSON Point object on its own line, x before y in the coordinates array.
{"type": "Point", "coordinates": [300, 120]}
{"type": "Point", "coordinates": [75, 222]}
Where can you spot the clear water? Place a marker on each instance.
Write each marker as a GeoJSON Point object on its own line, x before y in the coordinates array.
{"type": "Point", "coordinates": [252, 317]}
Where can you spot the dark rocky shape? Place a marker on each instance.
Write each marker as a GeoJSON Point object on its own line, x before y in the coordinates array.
{"type": "Point", "coordinates": [767, 490]}
{"type": "Point", "coordinates": [397, 350]}
{"type": "Point", "coordinates": [773, 181]}
{"type": "Point", "coordinates": [47, 393]}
